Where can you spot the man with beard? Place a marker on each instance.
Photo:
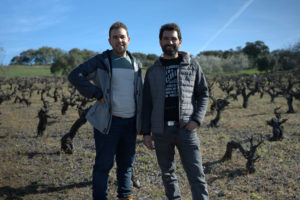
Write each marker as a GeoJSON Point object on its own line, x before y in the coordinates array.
{"type": "Point", "coordinates": [175, 98]}
{"type": "Point", "coordinates": [116, 114]}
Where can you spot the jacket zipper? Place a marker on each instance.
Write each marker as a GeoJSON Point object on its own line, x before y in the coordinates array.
{"type": "Point", "coordinates": [164, 93]}
{"type": "Point", "coordinates": [178, 91]}
{"type": "Point", "coordinates": [109, 96]}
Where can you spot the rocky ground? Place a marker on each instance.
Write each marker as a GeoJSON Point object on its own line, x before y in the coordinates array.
{"type": "Point", "coordinates": [35, 168]}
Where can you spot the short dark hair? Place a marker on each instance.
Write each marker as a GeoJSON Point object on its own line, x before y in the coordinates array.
{"type": "Point", "coordinates": [118, 25]}
{"type": "Point", "coordinates": [169, 27]}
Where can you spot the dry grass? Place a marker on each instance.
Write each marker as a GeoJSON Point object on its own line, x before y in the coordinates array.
{"type": "Point", "coordinates": [34, 168]}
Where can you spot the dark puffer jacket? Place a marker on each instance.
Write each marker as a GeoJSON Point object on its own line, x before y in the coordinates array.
{"type": "Point", "coordinates": [98, 70]}
{"type": "Point", "coordinates": [192, 95]}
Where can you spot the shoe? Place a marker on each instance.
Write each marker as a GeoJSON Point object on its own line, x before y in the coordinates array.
{"type": "Point", "coordinates": [127, 198]}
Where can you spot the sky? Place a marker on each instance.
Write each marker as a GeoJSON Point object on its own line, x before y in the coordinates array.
{"type": "Point", "coordinates": [205, 24]}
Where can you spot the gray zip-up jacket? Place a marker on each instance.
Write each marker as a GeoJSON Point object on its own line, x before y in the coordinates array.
{"type": "Point", "coordinates": [192, 94]}
{"type": "Point", "coordinates": [98, 69]}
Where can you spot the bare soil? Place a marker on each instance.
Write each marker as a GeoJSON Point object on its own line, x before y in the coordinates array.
{"type": "Point", "coordinates": [35, 168]}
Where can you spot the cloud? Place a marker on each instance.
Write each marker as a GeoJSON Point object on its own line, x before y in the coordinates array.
{"type": "Point", "coordinates": [32, 15]}
{"type": "Point", "coordinates": [228, 23]}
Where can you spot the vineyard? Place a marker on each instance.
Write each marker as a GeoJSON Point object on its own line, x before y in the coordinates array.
{"type": "Point", "coordinates": [249, 141]}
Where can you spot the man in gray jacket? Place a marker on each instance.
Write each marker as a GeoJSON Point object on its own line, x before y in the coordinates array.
{"type": "Point", "coordinates": [116, 114]}
{"type": "Point", "coordinates": [175, 98]}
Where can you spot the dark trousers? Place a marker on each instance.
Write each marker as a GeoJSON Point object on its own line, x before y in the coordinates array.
{"type": "Point", "coordinates": [119, 144]}
{"type": "Point", "coordinates": [188, 145]}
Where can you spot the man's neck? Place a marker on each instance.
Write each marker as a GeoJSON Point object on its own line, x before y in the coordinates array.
{"type": "Point", "coordinates": [168, 57]}
{"type": "Point", "coordinates": [124, 54]}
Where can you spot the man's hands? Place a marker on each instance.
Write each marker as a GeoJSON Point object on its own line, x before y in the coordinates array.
{"type": "Point", "coordinates": [148, 142]}
{"type": "Point", "coordinates": [192, 125]}
{"type": "Point", "coordinates": [102, 101]}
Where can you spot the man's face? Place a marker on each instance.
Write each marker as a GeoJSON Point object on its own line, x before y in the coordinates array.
{"type": "Point", "coordinates": [119, 41]}
{"type": "Point", "coordinates": [170, 43]}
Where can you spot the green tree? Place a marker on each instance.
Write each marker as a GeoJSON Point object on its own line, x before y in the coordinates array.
{"type": "Point", "coordinates": [87, 54]}
{"type": "Point", "coordinates": [265, 63]}
{"type": "Point", "coordinates": [235, 62]}
{"type": "Point", "coordinates": [146, 59]}
{"type": "Point", "coordinates": [210, 63]}
{"type": "Point", "coordinates": [296, 56]}
{"type": "Point", "coordinates": [254, 49]}
{"type": "Point", "coordinates": [15, 60]}
{"type": "Point", "coordinates": [65, 62]}
{"type": "Point", "coordinates": [43, 56]}
{"type": "Point", "coordinates": [152, 57]}
{"type": "Point", "coordinates": [217, 53]}
{"type": "Point", "coordinates": [27, 57]}
{"type": "Point", "coordinates": [46, 55]}
{"type": "Point", "coordinates": [56, 53]}
{"type": "Point", "coordinates": [140, 56]}
{"type": "Point", "coordinates": [287, 59]}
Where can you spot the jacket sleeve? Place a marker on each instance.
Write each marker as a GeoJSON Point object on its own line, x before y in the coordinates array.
{"type": "Point", "coordinates": [80, 78]}
{"type": "Point", "coordinates": [201, 95]}
{"type": "Point", "coordinates": [147, 107]}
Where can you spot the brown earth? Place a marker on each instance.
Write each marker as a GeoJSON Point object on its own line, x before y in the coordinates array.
{"type": "Point", "coordinates": [34, 167]}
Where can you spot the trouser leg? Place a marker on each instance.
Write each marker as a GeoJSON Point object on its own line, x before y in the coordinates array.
{"type": "Point", "coordinates": [125, 158]}
{"type": "Point", "coordinates": [106, 146]}
{"type": "Point", "coordinates": [165, 151]}
{"type": "Point", "coordinates": [189, 149]}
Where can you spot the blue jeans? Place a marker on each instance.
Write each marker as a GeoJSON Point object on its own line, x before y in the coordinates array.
{"type": "Point", "coordinates": [119, 144]}
{"type": "Point", "coordinates": [188, 145]}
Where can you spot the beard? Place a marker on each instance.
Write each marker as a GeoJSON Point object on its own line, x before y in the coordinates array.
{"type": "Point", "coordinates": [120, 49]}
{"type": "Point", "coordinates": [170, 51]}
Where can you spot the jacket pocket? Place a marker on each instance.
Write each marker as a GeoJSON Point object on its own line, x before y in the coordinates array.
{"type": "Point", "coordinates": [99, 117]}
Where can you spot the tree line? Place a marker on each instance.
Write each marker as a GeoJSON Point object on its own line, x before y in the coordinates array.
{"type": "Point", "coordinates": [64, 61]}
{"type": "Point", "coordinates": [255, 55]}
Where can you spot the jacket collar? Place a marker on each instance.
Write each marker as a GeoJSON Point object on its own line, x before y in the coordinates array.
{"type": "Point", "coordinates": [107, 56]}
{"type": "Point", "coordinates": [186, 59]}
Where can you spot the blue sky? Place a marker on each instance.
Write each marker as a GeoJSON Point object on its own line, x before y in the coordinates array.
{"type": "Point", "coordinates": [205, 24]}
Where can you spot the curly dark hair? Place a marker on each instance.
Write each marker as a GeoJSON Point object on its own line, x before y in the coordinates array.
{"type": "Point", "coordinates": [169, 27]}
